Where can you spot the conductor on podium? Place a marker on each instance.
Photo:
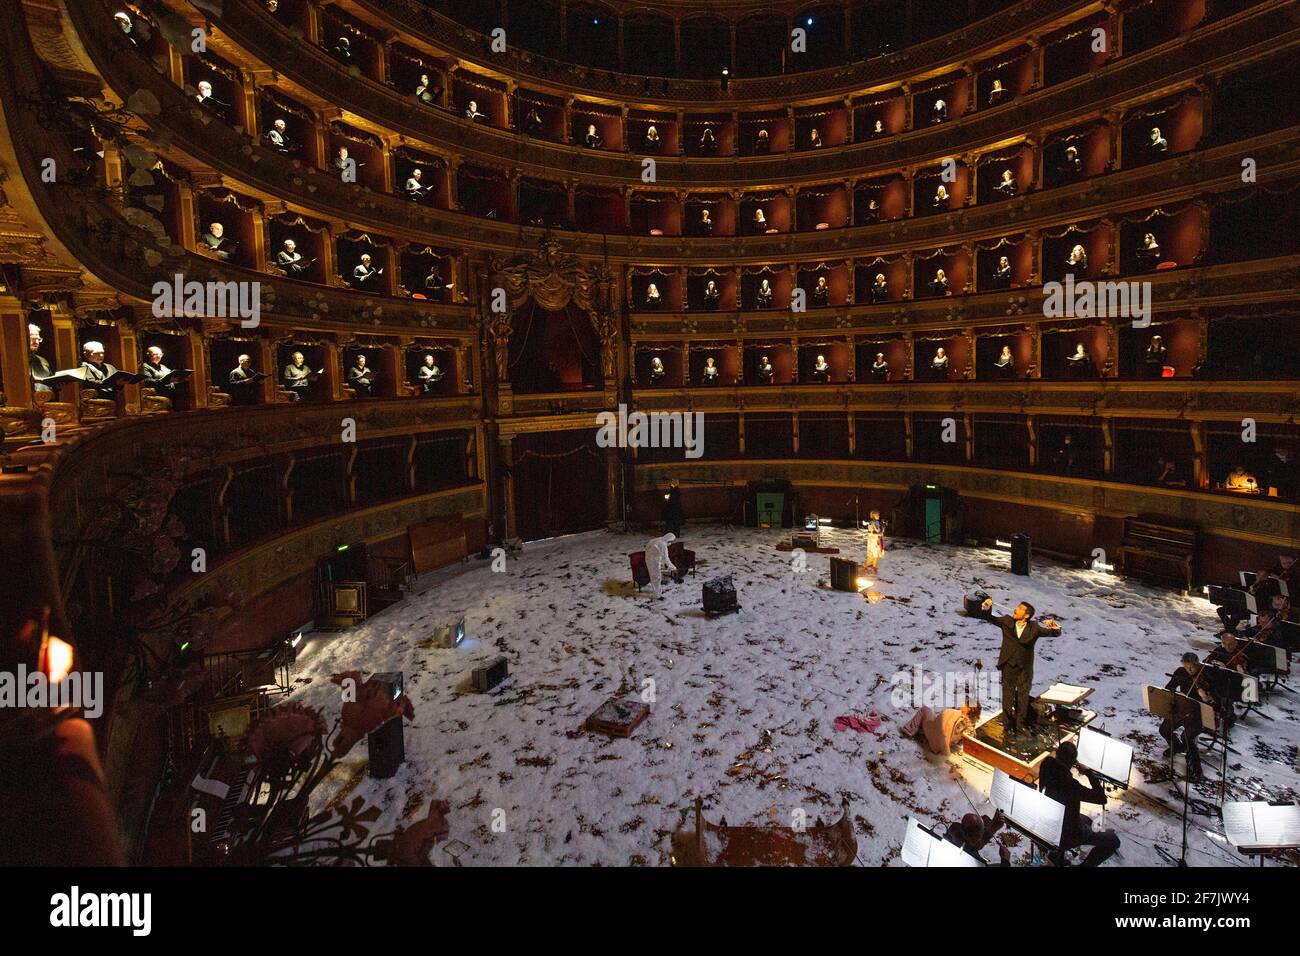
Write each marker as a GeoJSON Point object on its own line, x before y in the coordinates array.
{"type": "Point", "coordinates": [1020, 632]}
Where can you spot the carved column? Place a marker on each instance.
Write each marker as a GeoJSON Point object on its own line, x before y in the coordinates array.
{"type": "Point", "coordinates": [14, 369]}
{"type": "Point", "coordinates": [267, 362]}
{"type": "Point", "coordinates": [968, 436]}
{"type": "Point", "coordinates": [1200, 460]}
{"type": "Point", "coordinates": [1036, 351]}
{"type": "Point", "coordinates": [333, 365]}
{"type": "Point", "coordinates": [1108, 446]}
{"type": "Point", "coordinates": [794, 431]}
{"type": "Point", "coordinates": [128, 360]}
{"type": "Point", "coordinates": [908, 434]}
{"type": "Point", "coordinates": [909, 356]}
{"type": "Point", "coordinates": [196, 357]}
{"type": "Point", "coordinates": [969, 371]}
{"type": "Point", "coordinates": [505, 449]}
{"type": "Point", "coordinates": [1031, 430]}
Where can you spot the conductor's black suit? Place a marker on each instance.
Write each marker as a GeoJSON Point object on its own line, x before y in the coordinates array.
{"type": "Point", "coordinates": [1016, 661]}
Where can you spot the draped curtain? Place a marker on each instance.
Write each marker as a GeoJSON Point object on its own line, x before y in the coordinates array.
{"type": "Point", "coordinates": [559, 483]}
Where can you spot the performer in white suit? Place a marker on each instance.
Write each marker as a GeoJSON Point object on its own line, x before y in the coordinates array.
{"type": "Point", "coordinates": [875, 541]}
{"type": "Point", "coordinates": [657, 560]}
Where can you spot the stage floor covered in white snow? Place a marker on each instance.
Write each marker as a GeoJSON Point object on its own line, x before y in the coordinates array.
{"type": "Point", "coordinates": [744, 704]}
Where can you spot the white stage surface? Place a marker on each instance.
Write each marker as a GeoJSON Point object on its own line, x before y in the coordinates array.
{"type": "Point", "coordinates": [745, 704]}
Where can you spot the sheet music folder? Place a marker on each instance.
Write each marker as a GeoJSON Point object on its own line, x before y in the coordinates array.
{"type": "Point", "coordinates": [922, 847]}
{"type": "Point", "coordinates": [1261, 826]}
{"type": "Point", "coordinates": [1105, 756]}
{"type": "Point", "coordinates": [1035, 813]}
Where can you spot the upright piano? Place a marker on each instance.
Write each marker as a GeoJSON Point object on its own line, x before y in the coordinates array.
{"type": "Point", "coordinates": [1158, 551]}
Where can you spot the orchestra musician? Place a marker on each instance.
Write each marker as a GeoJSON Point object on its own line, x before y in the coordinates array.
{"type": "Point", "coordinates": [361, 378]}
{"type": "Point", "coordinates": [821, 293]}
{"type": "Point", "coordinates": [1020, 632]}
{"type": "Point", "coordinates": [763, 297]}
{"type": "Point", "coordinates": [1056, 779]}
{"type": "Point", "coordinates": [1188, 680]}
{"type": "Point", "coordinates": [429, 375]}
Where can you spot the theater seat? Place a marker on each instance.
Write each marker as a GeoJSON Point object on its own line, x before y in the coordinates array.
{"type": "Point", "coordinates": [682, 559]}
{"type": "Point", "coordinates": [640, 573]}
{"type": "Point", "coordinates": [1167, 264]}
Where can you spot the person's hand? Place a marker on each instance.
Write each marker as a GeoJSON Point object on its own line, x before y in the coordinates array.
{"type": "Point", "coordinates": [1050, 623]}
{"type": "Point", "coordinates": [987, 605]}
{"type": "Point", "coordinates": [1004, 854]}
{"type": "Point", "coordinates": [997, 815]}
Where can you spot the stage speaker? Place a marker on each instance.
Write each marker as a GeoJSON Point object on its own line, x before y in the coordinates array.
{"type": "Point", "coordinates": [450, 634]}
{"type": "Point", "coordinates": [489, 675]}
{"type": "Point", "coordinates": [388, 744]}
{"type": "Point", "coordinates": [1020, 554]}
{"type": "Point", "coordinates": [845, 573]}
{"type": "Point", "coordinates": [720, 596]}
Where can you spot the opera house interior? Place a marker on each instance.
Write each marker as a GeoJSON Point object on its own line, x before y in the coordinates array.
{"type": "Point", "coordinates": [588, 432]}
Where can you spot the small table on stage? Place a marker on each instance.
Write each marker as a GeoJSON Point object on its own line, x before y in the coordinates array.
{"type": "Point", "coordinates": [1059, 719]}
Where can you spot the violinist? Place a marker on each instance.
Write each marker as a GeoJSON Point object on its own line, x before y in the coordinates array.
{"type": "Point", "coordinates": [1188, 680]}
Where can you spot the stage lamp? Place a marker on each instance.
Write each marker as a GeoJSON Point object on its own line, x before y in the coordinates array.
{"type": "Point", "coordinates": [811, 523]}
{"type": "Point", "coordinates": [863, 583]}
{"type": "Point", "coordinates": [1003, 544]}
{"type": "Point", "coordinates": [56, 658]}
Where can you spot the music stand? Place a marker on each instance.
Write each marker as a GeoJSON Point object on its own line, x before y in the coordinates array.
{"type": "Point", "coordinates": [1025, 809]}
{"type": "Point", "coordinates": [1172, 706]}
{"type": "Point", "coordinates": [923, 847]}
{"type": "Point", "coordinates": [1260, 829]}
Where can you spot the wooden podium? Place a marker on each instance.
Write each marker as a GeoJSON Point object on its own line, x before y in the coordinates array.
{"type": "Point", "coordinates": [1021, 755]}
